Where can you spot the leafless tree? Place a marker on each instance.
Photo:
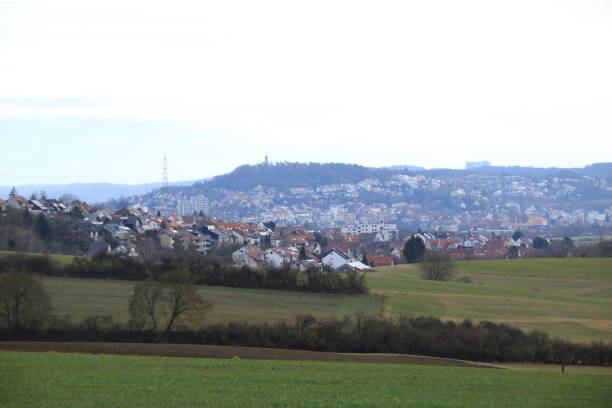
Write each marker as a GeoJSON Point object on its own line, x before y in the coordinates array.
{"type": "Point", "coordinates": [24, 304]}
{"type": "Point", "coordinates": [172, 302]}
{"type": "Point", "coordinates": [437, 266]}
{"type": "Point", "coordinates": [147, 247]}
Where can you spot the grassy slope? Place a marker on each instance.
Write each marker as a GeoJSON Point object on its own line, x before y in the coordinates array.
{"type": "Point", "coordinates": [62, 259]}
{"type": "Point", "coordinates": [591, 268]}
{"type": "Point", "coordinates": [80, 298]}
{"type": "Point", "coordinates": [571, 298]}
{"type": "Point", "coordinates": [66, 380]}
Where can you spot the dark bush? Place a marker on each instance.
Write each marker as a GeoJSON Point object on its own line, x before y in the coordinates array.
{"type": "Point", "coordinates": [484, 341]}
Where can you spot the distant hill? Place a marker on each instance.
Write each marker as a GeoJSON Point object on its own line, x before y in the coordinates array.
{"type": "Point", "coordinates": [600, 170]}
{"type": "Point", "coordinates": [90, 192]}
{"type": "Point", "coordinates": [406, 167]}
{"type": "Point", "coordinates": [286, 175]}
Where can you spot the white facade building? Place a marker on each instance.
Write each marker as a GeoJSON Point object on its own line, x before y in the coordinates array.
{"type": "Point", "coordinates": [194, 206]}
{"type": "Point", "coordinates": [339, 260]}
{"type": "Point", "coordinates": [387, 230]}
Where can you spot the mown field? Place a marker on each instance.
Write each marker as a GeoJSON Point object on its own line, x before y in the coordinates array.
{"type": "Point", "coordinates": [80, 298]}
{"type": "Point", "coordinates": [570, 298]}
{"type": "Point", "coordinates": [586, 239]}
{"type": "Point", "coordinates": [72, 380]}
{"type": "Point", "coordinates": [62, 259]}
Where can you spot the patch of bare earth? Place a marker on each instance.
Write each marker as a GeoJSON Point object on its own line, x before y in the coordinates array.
{"type": "Point", "coordinates": [205, 351]}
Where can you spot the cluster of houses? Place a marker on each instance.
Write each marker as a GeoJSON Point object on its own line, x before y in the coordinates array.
{"type": "Point", "coordinates": [477, 246]}
{"type": "Point", "coordinates": [34, 205]}
{"type": "Point", "coordinates": [264, 245]}
{"type": "Point", "coordinates": [293, 257]}
{"type": "Point", "coordinates": [466, 202]}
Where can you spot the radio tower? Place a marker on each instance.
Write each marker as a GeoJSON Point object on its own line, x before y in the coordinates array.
{"type": "Point", "coordinates": [165, 182]}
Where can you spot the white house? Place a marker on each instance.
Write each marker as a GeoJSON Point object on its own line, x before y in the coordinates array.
{"type": "Point", "coordinates": [250, 259]}
{"type": "Point", "coordinates": [236, 255]}
{"type": "Point", "coordinates": [335, 258]}
{"type": "Point", "coordinates": [274, 259]}
{"type": "Point", "coordinates": [151, 225]}
{"type": "Point", "coordinates": [278, 257]}
{"type": "Point", "coordinates": [340, 260]}
{"type": "Point", "coordinates": [354, 266]}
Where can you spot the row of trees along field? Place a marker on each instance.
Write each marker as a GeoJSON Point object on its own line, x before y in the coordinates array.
{"type": "Point", "coordinates": [172, 311]}
{"type": "Point", "coordinates": [202, 270]}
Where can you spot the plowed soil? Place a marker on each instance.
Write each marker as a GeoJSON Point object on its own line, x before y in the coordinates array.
{"type": "Point", "coordinates": [204, 351]}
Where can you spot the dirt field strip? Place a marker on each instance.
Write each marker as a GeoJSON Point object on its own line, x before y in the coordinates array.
{"type": "Point", "coordinates": [205, 351]}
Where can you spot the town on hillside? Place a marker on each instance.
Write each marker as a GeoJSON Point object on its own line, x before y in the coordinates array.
{"type": "Point", "coordinates": [48, 225]}
{"type": "Point", "coordinates": [445, 200]}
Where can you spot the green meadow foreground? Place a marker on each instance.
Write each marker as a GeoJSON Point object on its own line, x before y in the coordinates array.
{"type": "Point", "coordinates": [569, 298]}
{"type": "Point", "coordinates": [72, 380]}
{"type": "Point", "coordinates": [80, 298]}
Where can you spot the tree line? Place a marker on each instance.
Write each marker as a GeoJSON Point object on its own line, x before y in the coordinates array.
{"type": "Point", "coordinates": [202, 270]}
{"type": "Point", "coordinates": [482, 341]}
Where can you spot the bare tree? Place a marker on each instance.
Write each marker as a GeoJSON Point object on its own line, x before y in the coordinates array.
{"type": "Point", "coordinates": [148, 247]}
{"type": "Point", "coordinates": [68, 198]}
{"type": "Point", "coordinates": [437, 266]}
{"type": "Point", "coordinates": [172, 302]}
{"type": "Point", "coordinates": [24, 304]}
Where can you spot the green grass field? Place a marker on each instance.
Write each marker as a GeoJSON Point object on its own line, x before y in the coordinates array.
{"type": "Point", "coordinates": [80, 298]}
{"type": "Point", "coordinates": [586, 239]}
{"type": "Point", "coordinates": [62, 259]}
{"type": "Point", "coordinates": [570, 298]}
{"type": "Point", "coordinates": [71, 380]}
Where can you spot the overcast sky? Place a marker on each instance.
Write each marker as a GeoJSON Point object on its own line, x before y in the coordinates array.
{"type": "Point", "coordinates": [96, 90]}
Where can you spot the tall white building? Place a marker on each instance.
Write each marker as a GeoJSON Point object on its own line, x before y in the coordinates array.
{"type": "Point", "coordinates": [369, 228]}
{"type": "Point", "coordinates": [194, 206]}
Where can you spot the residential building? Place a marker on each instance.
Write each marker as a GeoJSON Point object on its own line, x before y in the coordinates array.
{"type": "Point", "coordinates": [196, 205]}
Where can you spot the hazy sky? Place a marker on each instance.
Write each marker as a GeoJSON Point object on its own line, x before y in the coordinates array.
{"type": "Point", "coordinates": [96, 90]}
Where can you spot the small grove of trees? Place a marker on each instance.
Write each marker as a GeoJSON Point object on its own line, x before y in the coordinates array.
{"type": "Point", "coordinates": [171, 302]}
{"type": "Point", "coordinates": [517, 235]}
{"type": "Point", "coordinates": [20, 230]}
{"type": "Point", "coordinates": [437, 266]}
{"type": "Point", "coordinates": [540, 243]}
{"type": "Point", "coordinates": [24, 304]}
{"type": "Point", "coordinates": [414, 249]}
{"type": "Point", "coordinates": [310, 280]}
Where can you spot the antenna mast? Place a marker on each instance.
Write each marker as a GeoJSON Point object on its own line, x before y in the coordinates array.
{"type": "Point", "coordinates": [165, 182]}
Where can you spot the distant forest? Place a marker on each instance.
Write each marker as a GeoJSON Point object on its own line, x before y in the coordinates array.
{"type": "Point", "coordinates": [287, 175]}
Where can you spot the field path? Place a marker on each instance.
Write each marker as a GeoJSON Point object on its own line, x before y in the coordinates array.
{"type": "Point", "coordinates": [205, 351]}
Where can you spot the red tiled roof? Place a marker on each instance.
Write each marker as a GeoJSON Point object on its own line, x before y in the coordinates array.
{"type": "Point", "coordinates": [376, 260]}
{"type": "Point", "coordinates": [240, 226]}
{"type": "Point", "coordinates": [341, 245]}
{"type": "Point", "coordinates": [351, 238]}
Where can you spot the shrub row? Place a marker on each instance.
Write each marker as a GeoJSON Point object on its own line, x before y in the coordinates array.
{"type": "Point", "coordinates": [484, 341]}
{"type": "Point", "coordinates": [203, 271]}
